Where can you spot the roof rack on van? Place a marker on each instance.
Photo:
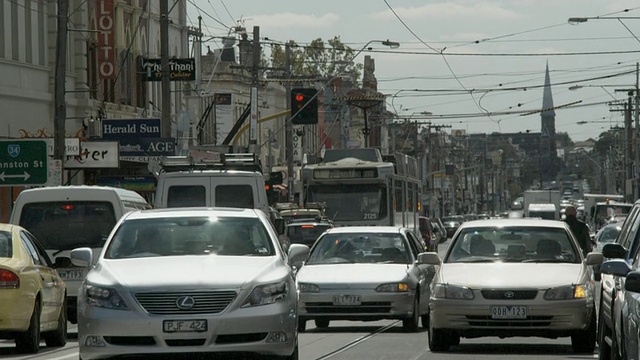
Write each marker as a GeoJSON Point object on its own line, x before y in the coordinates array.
{"type": "Point", "coordinates": [208, 160]}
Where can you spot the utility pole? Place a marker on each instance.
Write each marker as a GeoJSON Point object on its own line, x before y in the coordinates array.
{"type": "Point", "coordinates": [165, 72]}
{"type": "Point", "coordinates": [255, 63]}
{"type": "Point", "coordinates": [60, 76]}
{"type": "Point", "coordinates": [288, 124]}
{"type": "Point", "coordinates": [636, 181]}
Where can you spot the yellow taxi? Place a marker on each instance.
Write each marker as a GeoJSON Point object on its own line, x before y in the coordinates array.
{"type": "Point", "coordinates": [32, 294]}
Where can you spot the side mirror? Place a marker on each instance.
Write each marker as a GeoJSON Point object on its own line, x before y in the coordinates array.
{"type": "Point", "coordinates": [430, 258]}
{"type": "Point", "coordinates": [614, 251]}
{"type": "Point", "coordinates": [632, 283]}
{"type": "Point", "coordinates": [594, 258]}
{"type": "Point", "coordinates": [280, 226]}
{"type": "Point", "coordinates": [616, 267]}
{"type": "Point", "coordinates": [82, 257]}
{"type": "Point", "coordinates": [298, 254]}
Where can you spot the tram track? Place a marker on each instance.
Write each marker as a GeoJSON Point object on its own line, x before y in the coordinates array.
{"type": "Point", "coordinates": [357, 341]}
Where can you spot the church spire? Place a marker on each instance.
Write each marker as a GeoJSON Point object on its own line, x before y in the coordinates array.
{"type": "Point", "coordinates": [547, 97]}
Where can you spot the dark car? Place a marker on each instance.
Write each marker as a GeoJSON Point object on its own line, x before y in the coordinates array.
{"type": "Point", "coordinates": [306, 232]}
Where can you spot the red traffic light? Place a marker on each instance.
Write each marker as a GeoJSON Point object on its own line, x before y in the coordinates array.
{"type": "Point", "coordinates": [299, 97]}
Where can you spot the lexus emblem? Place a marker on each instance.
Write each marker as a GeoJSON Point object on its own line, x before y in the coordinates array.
{"type": "Point", "coordinates": [185, 302]}
{"type": "Point", "coordinates": [509, 294]}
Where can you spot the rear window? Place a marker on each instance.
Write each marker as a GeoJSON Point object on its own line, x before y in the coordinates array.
{"type": "Point", "coordinates": [6, 250]}
{"type": "Point", "coordinates": [305, 233]}
{"type": "Point", "coordinates": [186, 196]}
{"type": "Point", "coordinates": [69, 224]}
{"type": "Point", "coordinates": [235, 196]}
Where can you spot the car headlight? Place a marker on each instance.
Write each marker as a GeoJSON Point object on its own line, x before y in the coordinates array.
{"type": "Point", "coordinates": [393, 287]}
{"type": "Point", "coordinates": [267, 294]}
{"type": "Point", "coordinates": [308, 288]}
{"type": "Point", "coordinates": [568, 292]}
{"type": "Point", "coordinates": [446, 291]}
{"type": "Point", "coordinates": [104, 297]}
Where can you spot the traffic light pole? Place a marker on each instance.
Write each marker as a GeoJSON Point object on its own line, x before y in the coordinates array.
{"type": "Point", "coordinates": [253, 129]}
{"type": "Point", "coordinates": [288, 124]}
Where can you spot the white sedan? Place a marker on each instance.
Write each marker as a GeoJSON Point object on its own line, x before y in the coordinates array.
{"type": "Point", "coordinates": [365, 273]}
{"type": "Point", "coordinates": [513, 277]}
{"type": "Point", "coordinates": [190, 280]}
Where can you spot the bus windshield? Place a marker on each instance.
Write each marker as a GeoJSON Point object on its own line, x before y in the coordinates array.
{"type": "Point", "coordinates": [351, 202]}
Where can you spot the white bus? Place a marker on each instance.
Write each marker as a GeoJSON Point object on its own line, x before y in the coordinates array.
{"type": "Point", "coordinates": [359, 187]}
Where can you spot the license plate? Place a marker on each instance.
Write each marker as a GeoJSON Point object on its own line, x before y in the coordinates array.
{"type": "Point", "coordinates": [508, 312]}
{"type": "Point", "coordinates": [71, 275]}
{"type": "Point", "coordinates": [172, 326]}
{"type": "Point", "coordinates": [348, 300]}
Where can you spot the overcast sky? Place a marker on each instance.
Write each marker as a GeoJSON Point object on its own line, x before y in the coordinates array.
{"type": "Point", "coordinates": [462, 59]}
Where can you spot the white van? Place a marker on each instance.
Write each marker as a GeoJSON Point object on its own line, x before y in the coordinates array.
{"type": "Point", "coordinates": [67, 217]}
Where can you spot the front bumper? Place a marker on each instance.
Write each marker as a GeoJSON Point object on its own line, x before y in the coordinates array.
{"type": "Point", "coordinates": [268, 329]}
{"type": "Point", "coordinates": [373, 306]}
{"type": "Point", "coordinates": [472, 318]}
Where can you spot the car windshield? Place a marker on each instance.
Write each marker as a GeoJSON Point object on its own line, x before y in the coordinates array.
{"type": "Point", "coordinates": [360, 248]}
{"type": "Point", "coordinates": [512, 244]}
{"type": "Point", "coordinates": [184, 236]}
{"type": "Point", "coordinates": [608, 234]}
{"type": "Point", "coordinates": [66, 225]}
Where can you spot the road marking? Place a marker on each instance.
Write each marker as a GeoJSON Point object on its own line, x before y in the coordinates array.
{"type": "Point", "coordinates": [357, 341]}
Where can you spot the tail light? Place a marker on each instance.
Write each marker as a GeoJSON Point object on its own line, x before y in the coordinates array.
{"type": "Point", "coordinates": [9, 280]}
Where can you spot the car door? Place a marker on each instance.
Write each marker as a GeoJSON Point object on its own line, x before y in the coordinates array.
{"type": "Point", "coordinates": [47, 280]}
{"type": "Point", "coordinates": [425, 272]}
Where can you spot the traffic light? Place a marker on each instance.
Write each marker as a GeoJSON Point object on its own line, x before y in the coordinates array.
{"type": "Point", "coordinates": [304, 106]}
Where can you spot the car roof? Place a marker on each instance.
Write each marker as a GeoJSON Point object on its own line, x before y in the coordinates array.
{"type": "Point", "coordinates": [365, 229]}
{"type": "Point", "coordinates": [309, 222]}
{"type": "Point", "coordinates": [192, 211]}
{"type": "Point", "coordinates": [528, 222]}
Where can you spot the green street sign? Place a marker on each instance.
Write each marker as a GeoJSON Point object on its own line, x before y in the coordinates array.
{"type": "Point", "coordinates": [23, 162]}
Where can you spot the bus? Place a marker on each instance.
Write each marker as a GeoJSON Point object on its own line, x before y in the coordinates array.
{"type": "Point", "coordinates": [360, 187]}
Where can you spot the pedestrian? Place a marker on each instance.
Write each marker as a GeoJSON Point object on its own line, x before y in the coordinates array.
{"type": "Point", "coordinates": [579, 229]}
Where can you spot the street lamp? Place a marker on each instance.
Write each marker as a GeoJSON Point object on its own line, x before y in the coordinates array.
{"type": "Point", "coordinates": [365, 103]}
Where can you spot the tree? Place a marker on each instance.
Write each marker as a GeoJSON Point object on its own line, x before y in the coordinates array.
{"type": "Point", "coordinates": [318, 59]}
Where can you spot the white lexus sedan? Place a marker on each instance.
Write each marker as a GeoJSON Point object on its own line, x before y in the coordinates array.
{"type": "Point", "coordinates": [511, 278]}
{"type": "Point", "coordinates": [190, 281]}
{"type": "Point", "coordinates": [365, 273]}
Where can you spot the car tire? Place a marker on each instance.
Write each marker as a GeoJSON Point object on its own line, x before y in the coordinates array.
{"type": "Point", "coordinates": [302, 325]}
{"type": "Point", "coordinates": [411, 324]}
{"type": "Point", "coordinates": [322, 323]}
{"type": "Point", "coordinates": [438, 339]}
{"type": "Point", "coordinates": [58, 337]}
{"type": "Point", "coordinates": [29, 341]}
{"type": "Point", "coordinates": [584, 341]}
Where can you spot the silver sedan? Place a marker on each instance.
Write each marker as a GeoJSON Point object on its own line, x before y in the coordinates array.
{"type": "Point", "coordinates": [190, 280]}
{"type": "Point", "coordinates": [365, 273]}
{"type": "Point", "coordinates": [513, 277]}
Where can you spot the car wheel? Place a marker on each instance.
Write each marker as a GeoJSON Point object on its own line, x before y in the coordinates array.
{"type": "Point", "coordinates": [584, 341]}
{"type": "Point", "coordinates": [322, 323]}
{"type": "Point", "coordinates": [58, 337]}
{"type": "Point", "coordinates": [29, 341]}
{"type": "Point", "coordinates": [438, 339]}
{"type": "Point", "coordinates": [302, 325]}
{"type": "Point", "coordinates": [411, 324]}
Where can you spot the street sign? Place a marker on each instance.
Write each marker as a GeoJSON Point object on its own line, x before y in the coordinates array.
{"type": "Point", "coordinates": [23, 162]}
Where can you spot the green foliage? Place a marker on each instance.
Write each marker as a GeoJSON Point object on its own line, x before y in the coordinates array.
{"type": "Point", "coordinates": [318, 59]}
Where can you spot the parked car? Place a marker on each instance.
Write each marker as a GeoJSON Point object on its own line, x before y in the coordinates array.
{"type": "Point", "coordinates": [615, 339]}
{"type": "Point", "coordinates": [426, 230]}
{"type": "Point", "coordinates": [513, 277]}
{"type": "Point", "coordinates": [365, 273]}
{"type": "Point", "coordinates": [32, 294]}
{"type": "Point", "coordinates": [189, 278]}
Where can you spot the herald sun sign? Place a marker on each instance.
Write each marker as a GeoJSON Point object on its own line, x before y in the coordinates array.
{"type": "Point", "coordinates": [106, 39]}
